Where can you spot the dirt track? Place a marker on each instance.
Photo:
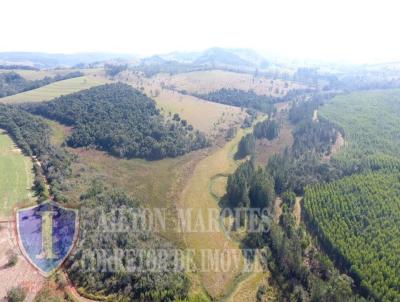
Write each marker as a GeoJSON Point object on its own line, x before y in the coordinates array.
{"type": "Point", "coordinates": [22, 273]}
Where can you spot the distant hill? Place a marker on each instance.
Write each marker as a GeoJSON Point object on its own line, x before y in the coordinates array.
{"type": "Point", "coordinates": [45, 60]}
{"type": "Point", "coordinates": [244, 60]}
{"type": "Point", "coordinates": [220, 58]}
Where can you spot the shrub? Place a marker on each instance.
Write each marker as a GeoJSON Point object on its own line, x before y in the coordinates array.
{"type": "Point", "coordinates": [16, 294]}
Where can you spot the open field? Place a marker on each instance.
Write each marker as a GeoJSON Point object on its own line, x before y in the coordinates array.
{"type": "Point", "coordinates": [209, 117]}
{"type": "Point", "coordinates": [203, 115]}
{"type": "Point", "coordinates": [59, 132]}
{"type": "Point", "coordinates": [198, 197]}
{"type": "Point", "coordinates": [53, 90]}
{"type": "Point", "coordinates": [207, 81]}
{"type": "Point", "coordinates": [265, 148]}
{"type": "Point", "coordinates": [16, 176]}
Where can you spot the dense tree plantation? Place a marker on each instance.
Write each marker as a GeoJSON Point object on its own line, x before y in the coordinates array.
{"type": "Point", "coordinates": [12, 83]}
{"type": "Point", "coordinates": [241, 98]}
{"type": "Point", "coordinates": [132, 278]}
{"type": "Point", "coordinates": [122, 121]}
{"type": "Point", "coordinates": [33, 135]}
{"type": "Point", "coordinates": [359, 216]}
{"type": "Point", "coordinates": [356, 218]}
{"type": "Point", "coordinates": [371, 123]}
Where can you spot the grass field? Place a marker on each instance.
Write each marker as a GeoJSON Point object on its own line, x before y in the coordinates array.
{"type": "Point", "coordinates": [59, 132]}
{"type": "Point", "coordinates": [198, 195]}
{"type": "Point", "coordinates": [207, 81]}
{"type": "Point", "coordinates": [16, 176]}
{"type": "Point", "coordinates": [209, 117]}
{"type": "Point", "coordinates": [203, 115]}
{"type": "Point", "coordinates": [53, 90]}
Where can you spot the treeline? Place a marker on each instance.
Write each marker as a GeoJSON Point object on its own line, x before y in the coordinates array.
{"type": "Point", "coordinates": [114, 280]}
{"type": "Point", "coordinates": [12, 83]}
{"type": "Point", "coordinates": [301, 165]}
{"type": "Point", "coordinates": [121, 120]}
{"type": "Point", "coordinates": [241, 98]}
{"type": "Point", "coordinates": [20, 67]}
{"type": "Point", "coordinates": [114, 69]}
{"type": "Point", "coordinates": [33, 136]}
{"type": "Point", "coordinates": [169, 67]}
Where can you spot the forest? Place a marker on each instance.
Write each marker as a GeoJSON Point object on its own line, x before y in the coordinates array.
{"type": "Point", "coordinates": [122, 121]}
{"type": "Point", "coordinates": [118, 284]}
{"type": "Point", "coordinates": [241, 98]}
{"type": "Point", "coordinates": [12, 83]}
{"type": "Point", "coordinates": [288, 247]}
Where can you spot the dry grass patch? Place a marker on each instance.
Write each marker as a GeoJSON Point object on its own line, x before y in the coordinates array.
{"type": "Point", "coordinates": [207, 81]}
{"type": "Point", "coordinates": [22, 274]}
{"type": "Point", "coordinates": [265, 148]}
{"type": "Point", "coordinates": [209, 117]}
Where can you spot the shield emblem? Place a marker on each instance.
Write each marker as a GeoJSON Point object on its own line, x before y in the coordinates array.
{"type": "Point", "coordinates": [46, 235]}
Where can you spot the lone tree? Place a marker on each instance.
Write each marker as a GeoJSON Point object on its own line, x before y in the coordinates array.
{"type": "Point", "coordinates": [16, 294]}
{"type": "Point", "coordinates": [12, 259]}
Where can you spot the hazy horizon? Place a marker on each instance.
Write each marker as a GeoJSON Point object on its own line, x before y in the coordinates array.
{"type": "Point", "coordinates": [356, 32]}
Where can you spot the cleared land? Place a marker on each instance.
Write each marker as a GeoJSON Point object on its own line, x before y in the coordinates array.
{"type": "Point", "coordinates": [16, 176]}
{"type": "Point", "coordinates": [209, 117]}
{"type": "Point", "coordinates": [22, 273]}
{"type": "Point", "coordinates": [265, 148]}
{"type": "Point", "coordinates": [53, 90]}
{"type": "Point", "coordinates": [207, 81]}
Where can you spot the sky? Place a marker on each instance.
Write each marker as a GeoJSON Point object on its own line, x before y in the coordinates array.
{"type": "Point", "coordinates": [338, 30]}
